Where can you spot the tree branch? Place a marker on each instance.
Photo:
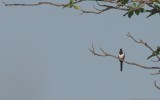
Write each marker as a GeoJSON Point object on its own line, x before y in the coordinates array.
{"type": "Point", "coordinates": [144, 43]}
{"type": "Point", "coordinates": [112, 4]}
{"type": "Point", "coordinates": [104, 54]}
{"type": "Point", "coordinates": [35, 4]}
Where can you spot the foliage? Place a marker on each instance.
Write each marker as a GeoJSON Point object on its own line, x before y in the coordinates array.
{"type": "Point", "coordinates": [131, 7]}
{"type": "Point", "coordinates": [72, 4]}
{"type": "Point", "coordinates": [155, 53]}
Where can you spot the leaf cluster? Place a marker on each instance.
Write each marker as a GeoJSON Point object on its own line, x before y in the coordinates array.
{"type": "Point", "coordinates": [136, 8]}
{"type": "Point", "coordinates": [72, 4]}
{"type": "Point", "coordinates": [155, 53]}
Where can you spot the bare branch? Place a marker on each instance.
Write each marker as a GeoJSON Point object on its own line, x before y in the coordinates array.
{"type": "Point", "coordinates": [35, 4]}
{"type": "Point", "coordinates": [106, 7]}
{"type": "Point", "coordinates": [94, 12]}
{"type": "Point", "coordinates": [155, 83]}
{"type": "Point", "coordinates": [128, 62]}
{"type": "Point", "coordinates": [144, 43]}
{"type": "Point", "coordinates": [93, 51]}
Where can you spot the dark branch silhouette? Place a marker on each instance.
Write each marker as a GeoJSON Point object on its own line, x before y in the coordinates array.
{"type": "Point", "coordinates": [155, 83]}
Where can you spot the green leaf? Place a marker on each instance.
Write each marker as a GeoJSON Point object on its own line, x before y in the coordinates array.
{"type": "Point", "coordinates": [151, 56]}
{"type": "Point", "coordinates": [124, 1]}
{"type": "Point", "coordinates": [72, 1]}
{"type": "Point", "coordinates": [157, 1]}
{"type": "Point", "coordinates": [76, 7]}
{"type": "Point", "coordinates": [134, 4]}
{"type": "Point", "coordinates": [156, 6]}
{"type": "Point", "coordinates": [137, 12]}
{"type": "Point", "coordinates": [70, 4]}
{"type": "Point", "coordinates": [130, 14]}
{"type": "Point", "coordinates": [139, 5]}
{"type": "Point", "coordinates": [158, 49]}
{"type": "Point", "coordinates": [156, 52]}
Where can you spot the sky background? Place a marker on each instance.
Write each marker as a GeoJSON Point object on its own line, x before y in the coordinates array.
{"type": "Point", "coordinates": [44, 54]}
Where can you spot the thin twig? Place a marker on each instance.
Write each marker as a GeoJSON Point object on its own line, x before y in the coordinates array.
{"type": "Point", "coordinates": [155, 83]}
{"type": "Point", "coordinates": [155, 74]}
{"type": "Point", "coordinates": [144, 43]}
{"type": "Point", "coordinates": [35, 4]}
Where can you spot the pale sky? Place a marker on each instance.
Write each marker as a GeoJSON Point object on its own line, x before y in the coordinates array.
{"type": "Point", "coordinates": [44, 54]}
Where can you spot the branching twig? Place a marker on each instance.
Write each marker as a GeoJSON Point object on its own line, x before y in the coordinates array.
{"type": "Point", "coordinates": [144, 43]}
{"type": "Point", "coordinates": [128, 62]}
{"type": "Point", "coordinates": [105, 8]}
{"type": "Point", "coordinates": [116, 5]}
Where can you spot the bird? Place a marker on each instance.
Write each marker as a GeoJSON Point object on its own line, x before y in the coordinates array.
{"type": "Point", "coordinates": [121, 57]}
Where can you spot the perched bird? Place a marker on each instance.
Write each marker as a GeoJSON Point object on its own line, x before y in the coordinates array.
{"type": "Point", "coordinates": [121, 57]}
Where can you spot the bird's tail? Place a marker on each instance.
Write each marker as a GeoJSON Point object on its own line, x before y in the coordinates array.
{"type": "Point", "coordinates": [121, 65]}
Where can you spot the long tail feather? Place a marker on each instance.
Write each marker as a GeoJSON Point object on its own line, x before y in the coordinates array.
{"type": "Point", "coordinates": [121, 65]}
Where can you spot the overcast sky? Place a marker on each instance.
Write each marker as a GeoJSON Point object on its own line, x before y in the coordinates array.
{"type": "Point", "coordinates": [44, 54]}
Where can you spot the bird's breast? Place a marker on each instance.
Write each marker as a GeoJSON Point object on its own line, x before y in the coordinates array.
{"type": "Point", "coordinates": [121, 55]}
